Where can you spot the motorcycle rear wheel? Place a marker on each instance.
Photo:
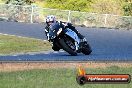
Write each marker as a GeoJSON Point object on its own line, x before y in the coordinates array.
{"type": "Point", "coordinates": [86, 49]}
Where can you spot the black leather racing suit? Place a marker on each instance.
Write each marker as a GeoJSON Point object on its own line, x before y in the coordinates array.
{"type": "Point", "coordinates": [65, 25]}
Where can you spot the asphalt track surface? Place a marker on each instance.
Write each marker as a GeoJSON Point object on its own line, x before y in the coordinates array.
{"type": "Point", "coordinates": [107, 44]}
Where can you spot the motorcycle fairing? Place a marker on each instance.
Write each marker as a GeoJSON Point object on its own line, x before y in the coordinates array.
{"type": "Point", "coordinates": [74, 36]}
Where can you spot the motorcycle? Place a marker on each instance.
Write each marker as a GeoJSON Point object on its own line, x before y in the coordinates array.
{"type": "Point", "coordinates": [66, 39]}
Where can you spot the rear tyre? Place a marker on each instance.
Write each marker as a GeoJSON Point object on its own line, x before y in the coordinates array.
{"type": "Point", "coordinates": [86, 49]}
{"type": "Point", "coordinates": [67, 48]}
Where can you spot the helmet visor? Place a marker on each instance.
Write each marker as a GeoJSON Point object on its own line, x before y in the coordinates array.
{"type": "Point", "coordinates": [50, 22]}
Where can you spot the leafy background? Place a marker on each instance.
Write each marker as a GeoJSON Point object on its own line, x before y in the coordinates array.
{"type": "Point", "coordinates": [117, 7]}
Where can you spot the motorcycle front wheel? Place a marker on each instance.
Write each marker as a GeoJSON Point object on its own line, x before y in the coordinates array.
{"type": "Point", "coordinates": [68, 46]}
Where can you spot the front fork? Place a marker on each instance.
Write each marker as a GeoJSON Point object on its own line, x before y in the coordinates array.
{"type": "Point", "coordinates": [77, 46]}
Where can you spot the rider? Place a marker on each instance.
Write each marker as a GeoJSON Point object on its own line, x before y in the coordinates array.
{"type": "Point", "coordinates": [52, 20]}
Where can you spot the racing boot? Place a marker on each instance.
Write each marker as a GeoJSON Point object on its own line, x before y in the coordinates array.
{"type": "Point", "coordinates": [55, 47]}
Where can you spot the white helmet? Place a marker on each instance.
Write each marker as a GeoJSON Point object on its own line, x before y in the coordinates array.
{"type": "Point", "coordinates": [50, 18]}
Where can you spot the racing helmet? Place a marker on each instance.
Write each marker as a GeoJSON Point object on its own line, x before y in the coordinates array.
{"type": "Point", "coordinates": [50, 19]}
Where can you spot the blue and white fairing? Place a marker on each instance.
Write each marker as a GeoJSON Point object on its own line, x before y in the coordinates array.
{"type": "Point", "coordinates": [74, 36]}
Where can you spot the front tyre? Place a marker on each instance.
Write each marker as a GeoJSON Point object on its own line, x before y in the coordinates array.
{"type": "Point", "coordinates": [67, 48]}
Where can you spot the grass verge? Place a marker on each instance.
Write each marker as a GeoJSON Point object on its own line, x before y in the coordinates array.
{"type": "Point", "coordinates": [58, 78]}
{"type": "Point", "coordinates": [12, 44]}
